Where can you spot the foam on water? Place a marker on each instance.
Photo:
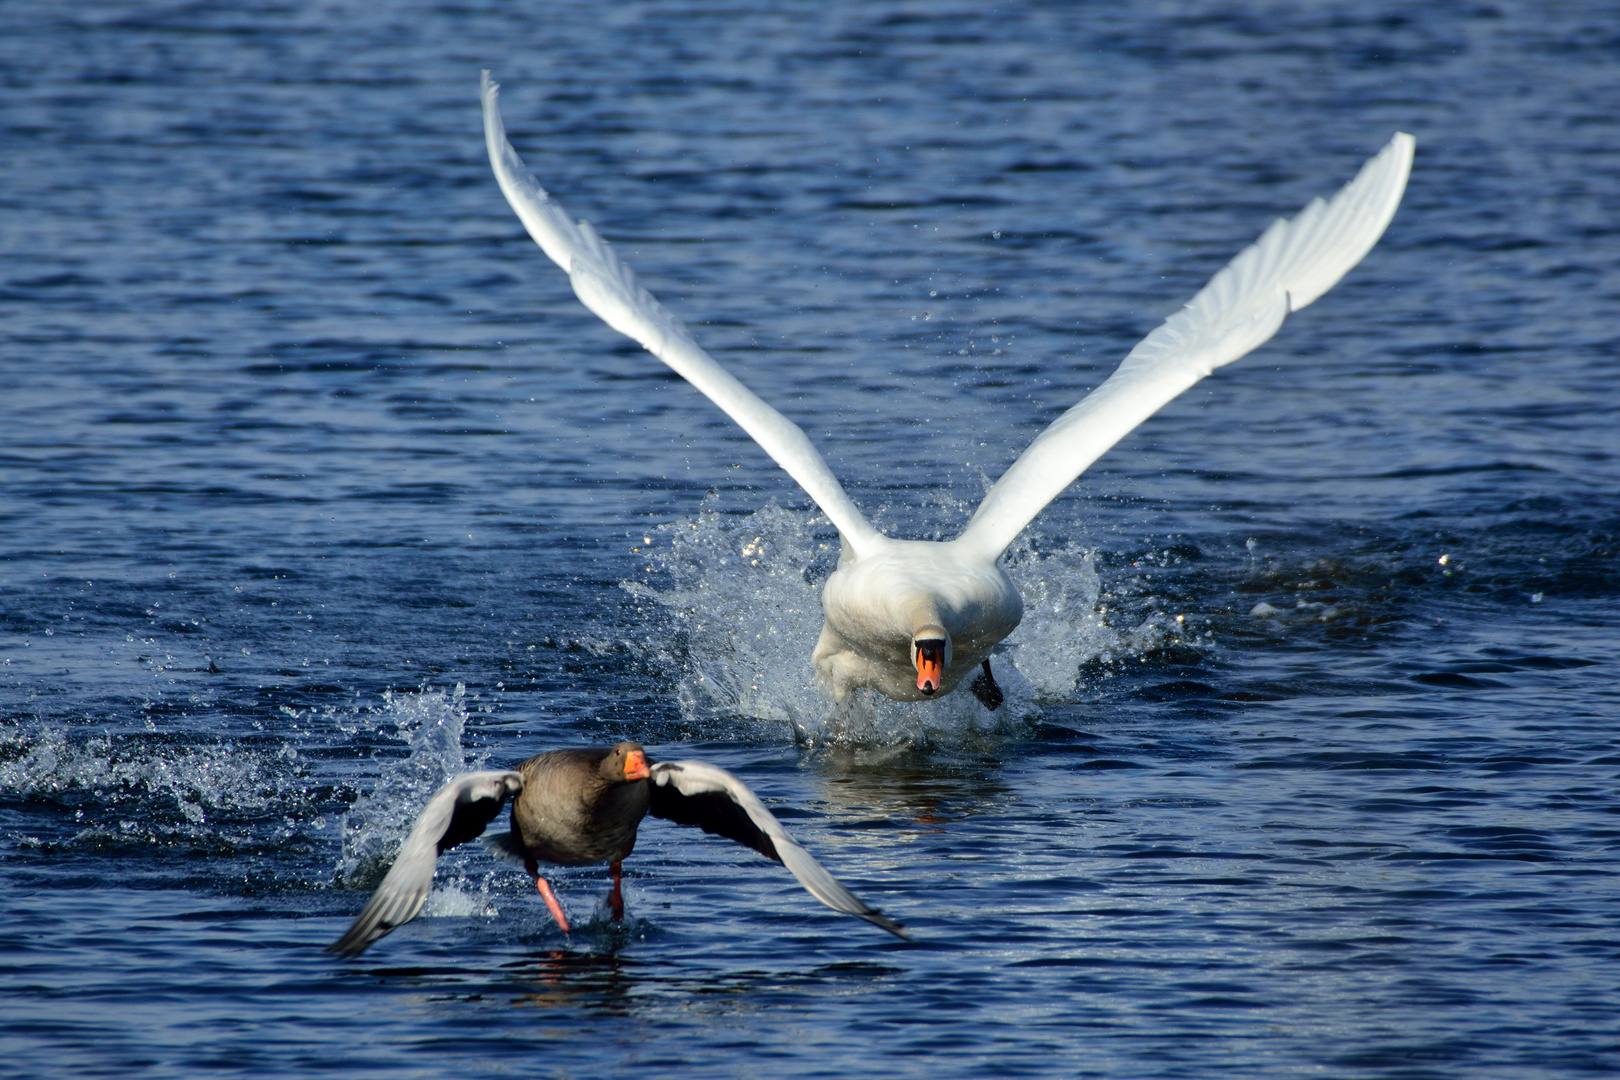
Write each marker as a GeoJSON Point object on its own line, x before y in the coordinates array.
{"type": "Point", "coordinates": [743, 595]}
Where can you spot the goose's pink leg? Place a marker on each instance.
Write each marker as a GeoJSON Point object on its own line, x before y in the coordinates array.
{"type": "Point", "coordinates": [548, 896]}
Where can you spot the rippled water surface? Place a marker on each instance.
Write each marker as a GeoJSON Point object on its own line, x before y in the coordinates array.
{"type": "Point", "coordinates": [316, 485]}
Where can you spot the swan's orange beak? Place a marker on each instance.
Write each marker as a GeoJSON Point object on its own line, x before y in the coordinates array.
{"type": "Point", "coordinates": [635, 766]}
{"type": "Point", "coordinates": [930, 665]}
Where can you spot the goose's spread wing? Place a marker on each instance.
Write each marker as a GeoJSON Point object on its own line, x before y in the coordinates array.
{"type": "Point", "coordinates": [694, 793]}
{"type": "Point", "coordinates": [1292, 264]}
{"type": "Point", "coordinates": [458, 812]}
{"type": "Point", "coordinates": [610, 289]}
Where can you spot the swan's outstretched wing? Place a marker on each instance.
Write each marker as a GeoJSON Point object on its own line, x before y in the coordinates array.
{"type": "Point", "coordinates": [610, 289]}
{"type": "Point", "coordinates": [1292, 264]}
{"type": "Point", "coordinates": [458, 812]}
{"type": "Point", "coordinates": [694, 793]}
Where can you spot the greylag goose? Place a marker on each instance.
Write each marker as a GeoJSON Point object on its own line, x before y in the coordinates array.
{"type": "Point", "coordinates": [577, 807]}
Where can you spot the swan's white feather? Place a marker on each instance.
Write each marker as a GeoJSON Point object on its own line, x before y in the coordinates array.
{"type": "Point", "coordinates": [609, 288]}
{"type": "Point", "coordinates": [1291, 265]}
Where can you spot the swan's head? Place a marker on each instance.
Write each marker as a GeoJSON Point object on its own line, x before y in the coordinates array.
{"type": "Point", "coordinates": [931, 653]}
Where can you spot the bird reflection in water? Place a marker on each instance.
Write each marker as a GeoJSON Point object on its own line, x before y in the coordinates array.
{"type": "Point", "coordinates": [926, 789]}
{"type": "Point", "coordinates": [559, 978]}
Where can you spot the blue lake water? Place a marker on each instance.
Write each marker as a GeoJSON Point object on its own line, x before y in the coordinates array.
{"type": "Point", "coordinates": [316, 485]}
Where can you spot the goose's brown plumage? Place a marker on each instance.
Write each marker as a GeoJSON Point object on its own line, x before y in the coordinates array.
{"type": "Point", "coordinates": [577, 807]}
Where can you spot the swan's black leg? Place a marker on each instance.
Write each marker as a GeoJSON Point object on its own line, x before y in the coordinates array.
{"type": "Point", "coordinates": [985, 689]}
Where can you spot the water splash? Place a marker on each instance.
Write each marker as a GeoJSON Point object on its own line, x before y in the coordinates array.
{"type": "Point", "coordinates": [114, 771]}
{"type": "Point", "coordinates": [459, 899]}
{"type": "Point", "coordinates": [744, 599]}
{"type": "Point", "coordinates": [431, 722]}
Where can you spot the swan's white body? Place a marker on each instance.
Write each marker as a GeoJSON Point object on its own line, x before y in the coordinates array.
{"type": "Point", "coordinates": [877, 605]}
{"type": "Point", "coordinates": [888, 595]}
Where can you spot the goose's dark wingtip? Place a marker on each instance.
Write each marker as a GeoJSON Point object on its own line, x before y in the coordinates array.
{"type": "Point", "coordinates": [350, 945]}
{"type": "Point", "coordinates": [882, 921]}
{"type": "Point", "coordinates": [343, 949]}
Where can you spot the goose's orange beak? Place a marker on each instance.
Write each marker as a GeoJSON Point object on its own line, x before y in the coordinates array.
{"type": "Point", "coordinates": [635, 766]}
{"type": "Point", "coordinates": [930, 665]}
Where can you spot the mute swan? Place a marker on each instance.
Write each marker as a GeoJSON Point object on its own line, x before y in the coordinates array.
{"type": "Point", "coordinates": [913, 619]}
{"type": "Point", "coordinates": [577, 807]}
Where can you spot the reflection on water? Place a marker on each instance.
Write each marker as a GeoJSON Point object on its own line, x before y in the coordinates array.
{"type": "Point", "coordinates": [906, 785]}
{"type": "Point", "coordinates": [604, 982]}
{"type": "Point", "coordinates": [598, 981]}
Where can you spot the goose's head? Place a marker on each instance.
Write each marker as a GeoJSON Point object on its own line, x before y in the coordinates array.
{"type": "Point", "coordinates": [931, 655]}
{"type": "Point", "coordinates": [627, 762]}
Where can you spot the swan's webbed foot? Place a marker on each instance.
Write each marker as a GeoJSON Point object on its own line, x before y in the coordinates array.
{"type": "Point", "coordinates": [985, 689]}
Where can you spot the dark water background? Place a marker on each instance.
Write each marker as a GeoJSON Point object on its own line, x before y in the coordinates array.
{"type": "Point", "coordinates": [288, 395]}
